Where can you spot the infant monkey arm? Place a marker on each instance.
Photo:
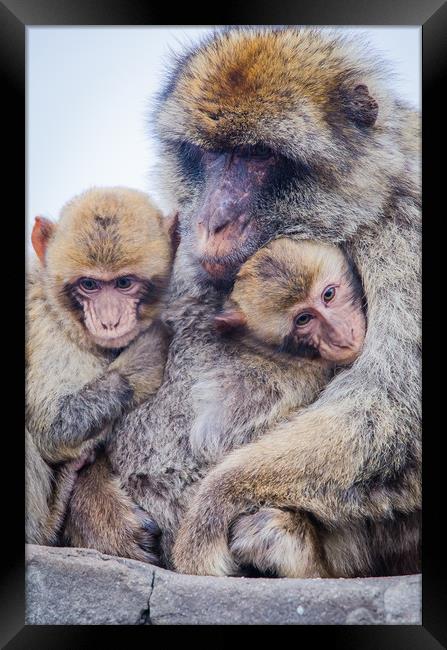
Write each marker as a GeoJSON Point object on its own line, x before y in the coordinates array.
{"type": "Point", "coordinates": [83, 415]}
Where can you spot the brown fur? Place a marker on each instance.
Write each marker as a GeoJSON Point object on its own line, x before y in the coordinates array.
{"type": "Point", "coordinates": [280, 276]}
{"type": "Point", "coordinates": [352, 459]}
{"type": "Point", "coordinates": [268, 290]}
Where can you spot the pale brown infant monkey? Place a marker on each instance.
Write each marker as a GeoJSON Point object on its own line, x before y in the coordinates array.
{"type": "Point", "coordinates": [299, 303]}
{"type": "Point", "coordinates": [94, 350]}
{"type": "Point", "coordinates": [298, 297]}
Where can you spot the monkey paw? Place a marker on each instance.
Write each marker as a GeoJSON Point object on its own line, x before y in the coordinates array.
{"type": "Point", "coordinates": [145, 539]}
{"type": "Point", "coordinates": [131, 534]}
{"type": "Point", "coordinates": [276, 543]}
{"type": "Point", "coordinates": [102, 516]}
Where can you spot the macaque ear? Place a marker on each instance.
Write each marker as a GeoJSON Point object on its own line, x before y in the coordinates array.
{"type": "Point", "coordinates": [42, 231]}
{"type": "Point", "coordinates": [173, 230]}
{"type": "Point", "coordinates": [359, 106]}
{"type": "Point", "coordinates": [229, 320]}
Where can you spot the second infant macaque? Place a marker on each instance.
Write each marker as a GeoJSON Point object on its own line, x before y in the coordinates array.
{"type": "Point", "coordinates": [294, 316]}
{"type": "Point", "coordinates": [95, 349]}
{"type": "Point", "coordinates": [300, 298]}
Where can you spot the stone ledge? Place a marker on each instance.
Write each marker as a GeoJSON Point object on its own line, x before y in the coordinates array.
{"type": "Point", "coordinates": [68, 586]}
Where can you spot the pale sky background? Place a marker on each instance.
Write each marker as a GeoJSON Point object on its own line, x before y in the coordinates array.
{"type": "Point", "coordinates": [89, 91]}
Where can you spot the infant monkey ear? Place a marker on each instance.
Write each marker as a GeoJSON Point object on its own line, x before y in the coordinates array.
{"type": "Point", "coordinates": [42, 231]}
{"type": "Point", "coordinates": [229, 321]}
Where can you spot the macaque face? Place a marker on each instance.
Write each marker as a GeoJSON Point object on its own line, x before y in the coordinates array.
{"type": "Point", "coordinates": [224, 225]}
{"type": "Point", "coordinates": [299, 298]}
{"type": "Point", "coordinates": [256, 119]}
{"type": "Point", "coordinates": [106, 264]}
{"type": "Point", "coordinates": [234, 182]}
{"type": "Point", "coordinates": [109, 306]}
{"type": "Point", "coordinates": [329, 324]}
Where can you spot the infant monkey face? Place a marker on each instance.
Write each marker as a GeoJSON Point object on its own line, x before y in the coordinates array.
{"type": "Point", "coordinates": [329, 325]}
{"type": "Point", "coordinates": [300, 298]}
{"type": "Point", "coordinates": [110, 308]}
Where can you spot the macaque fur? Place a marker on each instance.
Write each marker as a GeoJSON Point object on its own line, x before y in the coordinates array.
{"type": "Point", "coordinates": [269, 132]}
{"type": "Point", "coordinates": [94, 350]}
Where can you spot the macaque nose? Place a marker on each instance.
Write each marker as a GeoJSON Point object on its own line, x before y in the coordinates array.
{"type": "Point", "coordinates": [220, 219]}
{"type": "Point", "coordinates": [221, 209]}
{"type": "Point", "coordinates": [111, 325]}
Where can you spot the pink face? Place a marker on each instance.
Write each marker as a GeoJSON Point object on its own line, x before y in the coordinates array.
{"type": "Point", "coordinates": [330, 323]}
{"type": "Point", "coordinates": [110, 308]}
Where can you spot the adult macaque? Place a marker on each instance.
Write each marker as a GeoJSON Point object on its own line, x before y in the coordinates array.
{"type": "Point", "coordinates": [94, 350]}
{"type": "Point", "coordinates": [267, 132]}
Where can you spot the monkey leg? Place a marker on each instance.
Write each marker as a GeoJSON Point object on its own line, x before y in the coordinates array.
{"type": "Point", "coordinates": [101, 516]}
{"type": "Point", "coordinates": [278, 543]}
{"type": "Point", "coordinates": [285, 544]}
{"type": "Point", "coordinates": [65, 480]}
{"type": "Point", "coordinates": [375, 548]}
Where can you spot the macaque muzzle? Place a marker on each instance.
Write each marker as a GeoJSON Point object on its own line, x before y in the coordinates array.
{"type": "Point", "coordinates": [110, 316]}
{"type": "Point", "coordinates": [224, 224]}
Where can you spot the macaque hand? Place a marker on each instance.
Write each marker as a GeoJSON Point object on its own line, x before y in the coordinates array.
{"type": "Point", "coordinates": [276, 542]}
{"type": "Point", "coordinates": [142, 363]}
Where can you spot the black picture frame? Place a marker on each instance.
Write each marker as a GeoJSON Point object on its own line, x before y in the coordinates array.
{"type": "Point", "coordinates": [15, 16]}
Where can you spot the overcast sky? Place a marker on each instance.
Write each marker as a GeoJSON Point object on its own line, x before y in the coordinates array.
{"type": "Point", "coordinates": [88, 95]}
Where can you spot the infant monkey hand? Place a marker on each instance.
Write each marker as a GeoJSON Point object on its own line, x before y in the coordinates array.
{"type": "Point", "coordinates": [142, 363]}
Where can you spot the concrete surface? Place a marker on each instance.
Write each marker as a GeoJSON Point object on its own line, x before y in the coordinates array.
{"type": "Point", "coordinates": [69, 586]}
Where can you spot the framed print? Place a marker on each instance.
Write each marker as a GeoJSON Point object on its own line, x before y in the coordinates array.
{"type": "Point", "coordinates": [223, 321]}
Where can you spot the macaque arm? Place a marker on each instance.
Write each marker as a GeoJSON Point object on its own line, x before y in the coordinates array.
{"type": "Point", "coordinates": [62, 423]}
{"type": "Point", "coordinates": [350, 455]}
{"type": "Point", "coordinates": [81, 416]}
{"type": "Point", "coordinates": [142, 363]}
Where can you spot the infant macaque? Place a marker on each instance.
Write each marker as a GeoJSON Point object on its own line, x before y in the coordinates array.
{"type": "Point", "coordinates": [294, 316]}
{"type": "Point", "coordinates": [95, 349]}
{"type": "Point", "coordinates": [298, 297]}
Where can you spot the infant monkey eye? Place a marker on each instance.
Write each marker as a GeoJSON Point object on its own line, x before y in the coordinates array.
{"type": "Point", "coordinates": [89, 284]}
{"type": "Point", "coordinates": [329, 294]}
{"type": "Point", "coordinates": [303, 319]}
{"type": "Point", "coordinates": [123, 283]}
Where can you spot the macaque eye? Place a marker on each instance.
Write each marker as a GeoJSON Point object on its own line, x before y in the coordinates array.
{"type": "Point", "coordinates": [261, 152]}
{"type": "Point", "coordinates": [258, 152]}
{"type": "Point", "coordinates": [124, 283]}
{"type": "Point", "coordinates": [303, 319]}
{"type": "Point", "coordinates": [328, 294]}
{"type": "Point", "coordinates": [89, 284]}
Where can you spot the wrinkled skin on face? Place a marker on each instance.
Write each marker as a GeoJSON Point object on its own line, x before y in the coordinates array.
{"type": "Point", "coordinates": [110, 308]}
{"type": "Point", "coordinates": [233, 178]}
{"type": "Point", "coordinates": [301, 298]}
{"type": "Point", "coordinates": [231, 185]}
